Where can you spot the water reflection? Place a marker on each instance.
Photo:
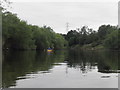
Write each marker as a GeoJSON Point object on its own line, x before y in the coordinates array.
{"type": "Point", "coordinates": [19, 65]}
{"type": "Point", "coordinates": [106, 61]}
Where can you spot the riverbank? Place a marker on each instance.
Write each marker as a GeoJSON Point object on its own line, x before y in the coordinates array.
{"type": "Point", "coordinates": [88, 47]}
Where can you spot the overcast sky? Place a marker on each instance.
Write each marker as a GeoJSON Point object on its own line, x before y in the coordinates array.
{"type": "Point", "coordinates": [57, 14]}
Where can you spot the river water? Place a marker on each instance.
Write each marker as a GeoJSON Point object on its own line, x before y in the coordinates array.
{"type": "Point", "coordinates": [60, 69]}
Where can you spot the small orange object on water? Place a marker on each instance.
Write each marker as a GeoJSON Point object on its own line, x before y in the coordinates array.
{"type": "Point", "coordinates": [49, 50]}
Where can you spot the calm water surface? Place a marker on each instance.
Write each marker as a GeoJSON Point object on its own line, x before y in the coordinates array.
{"type": "Point", "coordinates": [60, 69]}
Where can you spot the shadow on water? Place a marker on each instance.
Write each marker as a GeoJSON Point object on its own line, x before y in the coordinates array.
{"type": "Point", "coordinates": [20, 63]}
{"type": "Point", "coordinates": [17, 64]}
{"type": "Point", "coordinates": [106, 61]}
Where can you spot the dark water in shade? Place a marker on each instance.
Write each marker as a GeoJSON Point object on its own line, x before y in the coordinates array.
{"type": "Point", "coordinates": [60, 69]}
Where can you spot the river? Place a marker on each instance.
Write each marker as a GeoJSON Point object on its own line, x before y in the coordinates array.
{"type": "Point", "coordinates": [60, 69]}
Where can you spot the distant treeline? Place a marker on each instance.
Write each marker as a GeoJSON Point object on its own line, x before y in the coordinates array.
{"type": "Point", "coordinates": [106, 36]}
{"type": "Point", "coordinates": [19, 35]}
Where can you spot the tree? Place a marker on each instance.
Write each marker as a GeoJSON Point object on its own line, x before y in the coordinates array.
{"type": "Point", "coordinates": [112, 40]}
{"type": "Point", "coordinates": [104, 30]}
{"type": "Point", "coordinates": [16, 33]}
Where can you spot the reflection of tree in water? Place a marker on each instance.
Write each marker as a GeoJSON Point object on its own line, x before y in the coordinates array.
{"type": "Point", "coordinates": [105, 61]}
{"type": "Point", "coordinates": [17, 64]}
{"type": "Point", "coordinates": [80, 59]}
{"type": "Point", "coordinates": [108, 62]}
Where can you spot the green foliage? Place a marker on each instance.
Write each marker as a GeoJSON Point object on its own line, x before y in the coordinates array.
{"type": "Point", "coordinates": [112, 41]}
{"type": "Point", "coordinates": [82, 36]}
{"type": "Point", "coordinates": [105, 36]}
{"type": "Point", "coordinates": [59, 42]}
{"type": "Point", "coordinates": [104, 30]}
{"type": "Point", "coordinates": [17, 34]}
{"type": "Point", "coordinates": [71, 37]}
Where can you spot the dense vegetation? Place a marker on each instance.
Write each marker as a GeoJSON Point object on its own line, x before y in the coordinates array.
{"type": "Point", "coordinates": [19, 35]}
{"type": "Point", "coordinates": [105, 37]}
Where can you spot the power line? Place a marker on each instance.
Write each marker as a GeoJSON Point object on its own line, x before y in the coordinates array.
{"type": "Point", "coordinates": [67, 26]}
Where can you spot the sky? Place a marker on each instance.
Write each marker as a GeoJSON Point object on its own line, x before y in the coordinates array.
{"type": "Point", "coordinates": [64, 0]}
{"type": "Point", "coordinates": [92, 13]}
